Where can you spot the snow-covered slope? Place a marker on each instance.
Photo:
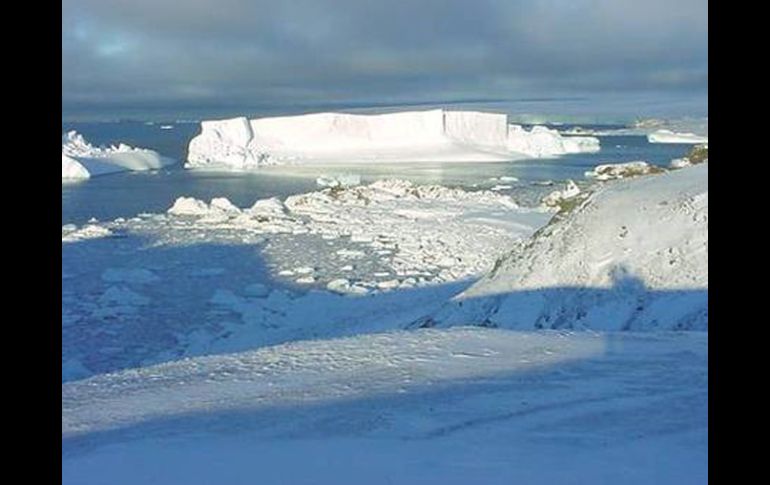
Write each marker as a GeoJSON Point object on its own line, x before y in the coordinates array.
{"type": "Point", "coordinates": [632, 256]}
{"type": "Point", "coordinates": [454, 406]}
{"type": "Point", "coordinates": [81, 160]}
{"type": "Point", "coordinates": [434, 135]}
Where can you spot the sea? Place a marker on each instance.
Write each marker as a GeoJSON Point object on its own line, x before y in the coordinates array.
{"type": "Point", "coordinates": [128, 194]}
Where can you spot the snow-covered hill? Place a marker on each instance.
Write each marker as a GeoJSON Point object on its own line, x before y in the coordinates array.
{"type": "Point", "coordinates": [632, 256]}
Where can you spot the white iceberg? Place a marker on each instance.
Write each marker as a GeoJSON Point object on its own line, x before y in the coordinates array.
{"type": "Point", "coordinates": [540, 142]}
{"type": "Point", "coordinates": [81, 160]}
{"type": "Point", "coordinates": [71, 169]}
{"type": "Point", "coordinates": [433, 135]}
{"type": "Point", "coordinates": [668, 136]}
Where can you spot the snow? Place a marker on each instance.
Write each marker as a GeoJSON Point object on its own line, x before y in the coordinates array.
{"type": "Point", "coordinates": [633, 256]}
{"type": "Point", "coordinates": [434, 232]}
{"type": "Point", "coordinates": [613, 171]}
{"type": "Point", "coordinates": [541, 141]}
{"type": "Point", "coordinates": [171, 328]}
{"type": "Point", "coordinates": [668, 136]}
{"type": "Point", "coordinates": [462, 405]}
{"type": "Point", "coordinates": [81, 160]}
{"type": "Point", "coordinates": [402, 249]}
{"type": "Point", "coordinates": [71, 169]}
{"type": "Point", "coordinates": [71, 233]}
{"type": "Point", "coordinates": [343, 180]}
{"type": "Point", "coordinates": [557, 197]}
{"type": "Point", "coordinates": [433, 135]}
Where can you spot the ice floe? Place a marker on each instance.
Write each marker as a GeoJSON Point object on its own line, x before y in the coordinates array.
{"type": "Point", "coordinates": [431, 232]}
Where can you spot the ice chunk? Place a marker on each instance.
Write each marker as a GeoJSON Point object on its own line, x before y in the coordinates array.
{"type": "Point", "coordinates": [222, 204]}
{"type": "Point", "coordinates": [188, 206]}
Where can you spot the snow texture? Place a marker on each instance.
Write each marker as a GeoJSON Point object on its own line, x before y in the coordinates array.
{"type": "Point", "coordinates": [463, 405]}
{"type": "Point", "coordinates": [434, 135]}
{"type": "Point", "coordinates": [633, 256]}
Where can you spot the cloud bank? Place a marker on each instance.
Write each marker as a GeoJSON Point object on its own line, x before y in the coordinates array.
{"type": "Point", "coordinates": [255, 55]}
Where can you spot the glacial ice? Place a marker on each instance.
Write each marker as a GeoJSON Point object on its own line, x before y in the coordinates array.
{"type": "Point", "coordinates": [433, 135]}
{"type": "Point", "coordinates": [71, 169]}
{"type": "Point", "coordinates": [81, 160]}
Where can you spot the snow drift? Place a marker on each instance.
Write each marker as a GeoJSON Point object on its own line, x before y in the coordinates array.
{"type": "Point", "coordinates": [633, 256]}
{"type": "Point", "coordinates": [81, 160]}
{"type": "Point", "coordinates": [434, 135]}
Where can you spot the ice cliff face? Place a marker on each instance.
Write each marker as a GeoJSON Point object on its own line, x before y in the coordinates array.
{"type": "Point", "coordinates": [81, 160]}
{"type": "Point", "coordinates": [434, 135]}
{"type": "Point", "coordinates": [633, 256]}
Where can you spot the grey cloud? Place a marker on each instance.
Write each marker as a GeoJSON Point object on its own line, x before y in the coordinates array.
{"type": "Point", "coordinates": [230, 53]}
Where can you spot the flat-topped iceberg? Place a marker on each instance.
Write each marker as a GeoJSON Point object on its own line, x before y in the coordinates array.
{"type": "Point", "coordinates": [81, 160]}
{"type": "Point", "coordinates": [668, 136]}
{"type": "Point", "coordinates": [433, 135]}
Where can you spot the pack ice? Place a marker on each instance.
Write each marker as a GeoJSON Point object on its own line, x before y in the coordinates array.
{"type": "Point", "coordinates": [632, 256]}
{"type": "Point", "coordinates": [80, 160]}
{"type": "Point", "coordinates": [433, 135]}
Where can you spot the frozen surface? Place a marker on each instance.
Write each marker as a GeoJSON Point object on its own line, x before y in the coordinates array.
{"type": "Point", "coordinates": [81, 160]}
{"type": "Point", "coordinates": [462, 405]}
{"type": "Point", "coordinates": [633, 256]}
{"type": "Point", "coordinates": [221, 278]}
{"type": "Point", "coordinates": [434, 135]}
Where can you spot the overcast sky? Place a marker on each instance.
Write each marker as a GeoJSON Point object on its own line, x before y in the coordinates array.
{"type": "Point", "coordinates": [172, 58]}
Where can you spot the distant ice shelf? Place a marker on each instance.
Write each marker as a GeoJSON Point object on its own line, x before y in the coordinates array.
{"type": "Point", "coordinates": [81, 160]}
{"type": "Point", "coordinates": [411, 136]}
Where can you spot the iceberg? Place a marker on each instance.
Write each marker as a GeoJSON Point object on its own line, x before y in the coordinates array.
{"type": "Point", "coordinates": [668, 136]}
{"type": "Point", "coordinates": [81, 160]}
{"type": "Point", "coordinates": [71, 169]}
{"type": "Point", "coordinates": [411, 136]}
